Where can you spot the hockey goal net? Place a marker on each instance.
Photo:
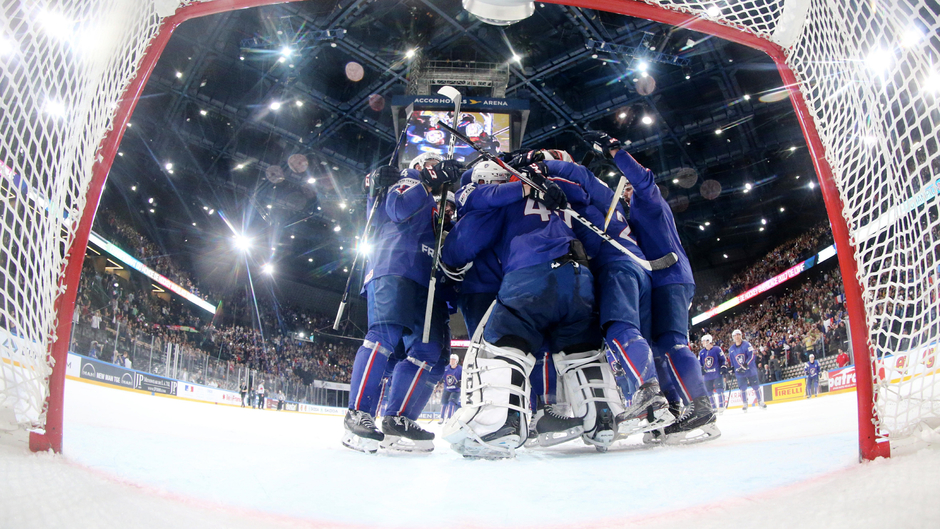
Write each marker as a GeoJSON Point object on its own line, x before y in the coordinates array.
{"type": "Point", "coordinates": [862, 77]}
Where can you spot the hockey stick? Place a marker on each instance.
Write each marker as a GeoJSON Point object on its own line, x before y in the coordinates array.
{"type": "Point", "coordinates": [613, 203]}
{"type": "Point", "coordinates": [658, 264]}
{"type": "Point", "coordinates": [456, 97]}
{"type": "Point", "coordinates": [379, 197]}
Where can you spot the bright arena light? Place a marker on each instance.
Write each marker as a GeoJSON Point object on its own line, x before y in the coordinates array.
{"type": "Point", "coordinates": [268, 268]}
{"type": "Point", "coordinates": [286, 51]}
{"type": "Point", "coordinates": [179, 75]}
{"type": "Point", "coordinates": [516, 58]}
{"type": "Point", "coordinates": [168, 166]}
{"type": "Point", "coordinates": [57, 25]}
{"type": "Point", "coordinates": [713, 11]}
{"type": "Point", "coordinates": [410, 53]}
{"type": "Point", "coordinates": [337, 228]}
{"type": "Point", "coordinates": [878, 61]}
{"type": "Point", "coordinates": [642, 66]}
{"type": "Point", "coordinates": [311, 180]}
{"type": "Point", "coordinates": [7, 46]}
{"type": "Point", "coordinates": [55, 108]}
{"type": "Point", "coordinates": [242, 243]}
{"type": "Point", "coordinates": [622, 115]}
{"type": "Point", "coordinates": [747, 186]}
{"type": "Point", "coordinates": [647, 120]}
{"type": "Point", "coordinates": [342, 205]}
{"type": "Point", "coordinates": [718, 132]}
{"type": "Point", "coordinates": [365, 248]}
{"type": "Point", "coordinates": [275, 105]}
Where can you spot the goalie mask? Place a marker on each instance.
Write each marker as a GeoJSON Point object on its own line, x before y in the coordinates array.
{"type": "Point", "coordinates": [489, 173]}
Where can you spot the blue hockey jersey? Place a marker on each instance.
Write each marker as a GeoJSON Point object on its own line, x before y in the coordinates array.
{"type": "Point", "coordinates": [591, 198]}
{"type": "Point", "coordinates": [742, 356]}
{"type": "Point", "coordinates": [522, 232]}
{"type": "Point", "coordinates": [712, 360]}
{"type": "Point", "coordinates": [812, 369]}
{"type": "Point", "coordinates": [452, 377]}
{"type": "Point", "coordinates": [653, 223]}
{"type": "Point", "coordinates": [403, 240]}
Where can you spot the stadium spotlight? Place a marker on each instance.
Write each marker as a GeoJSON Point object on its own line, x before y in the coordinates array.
{"type": "Point", "coordinates": [647, 120]}
{"type": "Point", "coordinates": [275, 105]}
{"type": "Point", "coordinates": [410, 53]}
{"type": "Point", "coordinates": [336, 228]}
{"type": "Point", "coordinates": [365, 248]}
{"type": "Point", "coordinates": [311, 180]}
{"type": "Point", "coordinates": [242, 243]}
{"type": "Point", "coordinates": [286, 51]}
{"type": "Point", "coordinates": [268, 268]}
{"type": "Point", "coordinates": [642, 66]}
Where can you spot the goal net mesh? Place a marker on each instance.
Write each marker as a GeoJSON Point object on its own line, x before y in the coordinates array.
{"type": "Point", "coordinates": [867, 70]}
{"type": "Point", "coordinates": [64, 66]}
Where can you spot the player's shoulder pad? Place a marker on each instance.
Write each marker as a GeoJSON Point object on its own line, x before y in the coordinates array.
{"type": "Point", "coordinates": [406, 183]}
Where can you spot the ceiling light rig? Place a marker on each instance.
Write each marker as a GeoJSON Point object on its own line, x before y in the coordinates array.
{"type": "Point", "coordinates": [500, 12]}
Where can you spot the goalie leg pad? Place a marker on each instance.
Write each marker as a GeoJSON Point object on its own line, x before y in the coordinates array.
{"type": "Point", "coordinates": [591, 391]}
{"type": "Point", "coordinates": [494, 398]}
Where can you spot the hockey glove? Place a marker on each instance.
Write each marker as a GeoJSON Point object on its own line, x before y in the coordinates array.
{"type": "Point", "coordinates": [553, 197]}
{"type": "Point", "coordinates": [446, 172]}
{"type": "Point", "coordinates": [602, 142]}
{"type": "Point", "coordinates": [455, 274]}
{"type": "Point", "coordinates": [524, 158]}
{"type": "Point", "coordinates": [381, 178]}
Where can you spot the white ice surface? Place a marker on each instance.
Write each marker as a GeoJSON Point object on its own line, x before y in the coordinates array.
{"type": "Point", "coordinates": [144, 461]}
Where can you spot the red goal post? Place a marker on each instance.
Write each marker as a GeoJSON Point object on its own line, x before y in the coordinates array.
{"type": "Point", "coordinates": [812, 43]}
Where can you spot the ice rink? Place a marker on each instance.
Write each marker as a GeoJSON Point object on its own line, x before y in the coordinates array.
{"type": "Point", "coordinates": [137, 460]}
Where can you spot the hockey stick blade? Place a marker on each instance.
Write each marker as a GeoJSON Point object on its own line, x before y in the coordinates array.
{"type": "Point", "coordinates": [665, 261]}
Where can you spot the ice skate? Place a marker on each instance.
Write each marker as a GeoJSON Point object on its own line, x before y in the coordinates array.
{"type": "Point", "coordinates": [552, 428]}
{"type": "Point", "coordinates": [649, 411]}
{"type": "Point", "coordinates": [604, 430]}
{"type": "Point", "coordinates": [744, 408]}
{"type": "Point", "coordinates": [404, 435]}
{"type": "Point", "coordinates": [695, 425]}
{"type": "Point", "coordinates": [500, 444]}
{"type": "Point", "coordinates": [654, 437]}
{"type": "Point", "coordinates": [361, 433]}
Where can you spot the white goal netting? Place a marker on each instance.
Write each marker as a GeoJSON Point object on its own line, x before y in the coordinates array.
{"type": "Point", "coordinates": [63, 68]}
{"type": "Point", "coordinates": [867, 70]}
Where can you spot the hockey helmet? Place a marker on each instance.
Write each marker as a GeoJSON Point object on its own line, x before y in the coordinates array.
{"type": "Point", "coordinates": [557, 154]}
{"type": "Point", "coordinates": [423, 159]}
{"type": "Point", "coordinates": [707, 339]}
{"type": "Point", "coordinates": [451, 197]}
{"type": "Point", "coordinates": [489, 173]}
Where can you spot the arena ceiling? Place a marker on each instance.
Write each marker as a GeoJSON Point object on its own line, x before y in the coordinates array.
{"type": "Point", "coordinates": [226, 103]}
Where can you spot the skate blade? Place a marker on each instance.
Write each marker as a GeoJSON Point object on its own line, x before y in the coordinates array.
{"type": "Point", "coordinates": [360, 444]}
{"type": "Point", "coordinates": [601, 440]}
{"type": "Point", "coordinates": [549, 438]}
{"type": "Point", "coordinates": [651, 438]}
{"type": "Point", "coordinates": [394, 443]}
{"type": "Point", "coordinates": [663, 418]}
{"type": "Point", "coordinates": [708, 432]}
{"type": "Point", "coordinates": [502, 448]}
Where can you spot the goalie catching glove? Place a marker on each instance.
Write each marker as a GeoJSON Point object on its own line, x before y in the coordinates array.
{"type": "Point", "coordinates": [446, 172]}
{"type": "Point", "coordinates": [552, 196]}
{"type": "Point", "coordinates": [602, 143]}
{"type": "Point", "coordinates": [453, 273]}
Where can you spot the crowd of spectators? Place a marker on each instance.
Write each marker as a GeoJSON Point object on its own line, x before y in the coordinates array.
{"type": "Point", "coordinates": [122, 312]}
{"type": "Point", "coordinates": [774, 263]}
{"type": "Point", "coordinates": [809, 318]}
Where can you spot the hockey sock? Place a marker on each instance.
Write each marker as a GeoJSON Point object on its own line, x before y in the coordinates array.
{"type": "Point", "coordinates": [685, 367]}
{"type": "Point", "coordinates": [414, 379]}
{"type": "Point", "coordinates": [666, 381]}
{"type": "Point", "coordinates": [633, 351]}
{"type": "Point", "coordinates": [369, 367]}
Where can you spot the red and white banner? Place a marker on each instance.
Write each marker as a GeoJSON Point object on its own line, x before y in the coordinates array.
{"type": "Point", "coordinates": [840, 379]}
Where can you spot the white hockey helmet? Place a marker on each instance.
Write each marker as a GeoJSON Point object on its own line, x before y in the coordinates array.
{"type": "Point", "coordinates": [737, 332]}
{"type": "Point", "coordinates": [557, 154]}
{"type": "Point", "coordinates": [451, 198]}
{"type": "Point", "coordinates": [707, 339]}
{"type": "Point", "coordinates": [489, 173]}
{"type": "Point", "coordinates": [420, 160]}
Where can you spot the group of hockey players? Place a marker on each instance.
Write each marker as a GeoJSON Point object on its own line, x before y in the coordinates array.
{"type": "Point", "coordinates": [740, 359]}
{"type": "Point", "coordinates": [575, 332]}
